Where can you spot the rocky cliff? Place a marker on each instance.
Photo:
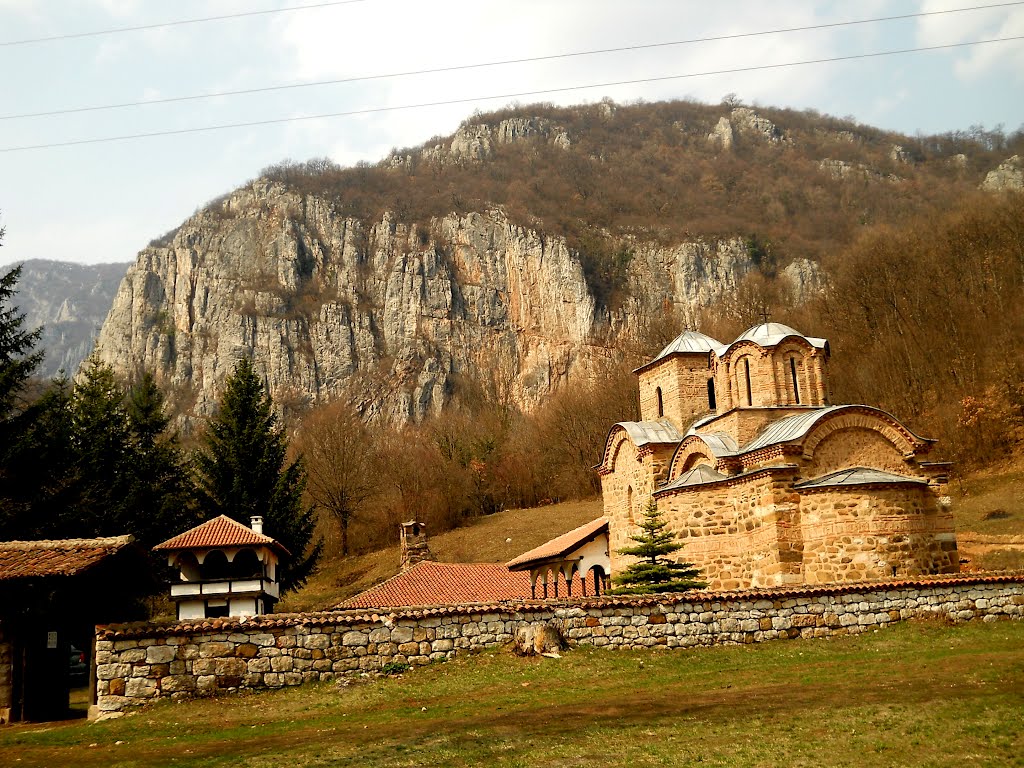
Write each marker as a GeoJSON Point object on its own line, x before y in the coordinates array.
{"type": "Point", "coordinates": [388, 313]}
{"type": "Point", "coordinates": [69, 301]}
{"type": "Point", "coordinates": [520, 252]}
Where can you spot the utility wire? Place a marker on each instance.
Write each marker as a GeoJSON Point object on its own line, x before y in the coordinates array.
{"type": "Point", "coordinates": [520, 94]}
{"type": "Point", "coordinates": [180, 22]}
{"type": "Point", "coordinates": [481, 65]}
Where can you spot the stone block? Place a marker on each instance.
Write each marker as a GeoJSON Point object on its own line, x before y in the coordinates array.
{"type": "Point", "coordinates": [141, 688]}
{"type": "Point", "coordinates": [247, 650]}
{"type": "Point", "coordinates": [206, 683]}
{"type": "Point", "coordinates": [282, 664]}
{"type": "Point", "coordinates": [204, 667]}
{"type": "Point", "coordinates": [111, 671]}
{"type": "Point", "coordinates": [177, 683]}
{"type": "Point", "coordinates": [130, 656]}
{"type": "Point", "coordinates": [230, 667]}
{"type": "Point", "coordinates": [259, 665]}
{"type": "Point", "coordinates": [402, 635]}
{"type": "Point", "coordinates": [317, 641]}
{"type": "Point", "coordinates": [116, 687]}
{"type": "Point", "coordinates": [215, 649]}
{"type": "Point", "coordinates": [355, 637]}
{"type": "Point", "coordinates": [161, 654]}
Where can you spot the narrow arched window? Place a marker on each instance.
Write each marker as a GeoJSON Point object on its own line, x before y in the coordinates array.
{"type": "Point", "coordinates": [796, 385]}
{"type": "Point", "coordinates": [661, 403]}
{"type": "Point", "coordinates": [712, 404]}
{"type": "Point", "coordinates": [629, 502]}
{"type": "Point", "coordinates": [746, 371]}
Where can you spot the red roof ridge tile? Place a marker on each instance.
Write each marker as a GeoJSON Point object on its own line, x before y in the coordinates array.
{"type": "Point", "coordinates": [100, 542]}
{"type": "Point", "coordinates": [220, 531]}
{"type": "Point", "coordinates": [560, 545]}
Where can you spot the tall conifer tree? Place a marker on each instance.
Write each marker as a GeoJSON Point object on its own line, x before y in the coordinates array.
{"type": "Point", "coordinates": [18, 362]}
{"type": "Point", "coordinates": [242, 471]}
{"type": "Point", "coordinates": [654, 572]}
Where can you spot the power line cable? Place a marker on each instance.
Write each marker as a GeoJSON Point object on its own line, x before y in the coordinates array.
{"type": "Point", "coordinates": [481, 65]}
{"type": "Point", "coordinates": [178, 23]}
{"type": "Point", "coordinates": [521, 94]}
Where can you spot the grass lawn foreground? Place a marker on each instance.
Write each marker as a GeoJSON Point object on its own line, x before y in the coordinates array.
{"type": "Point", "coordinates": [914, 694]}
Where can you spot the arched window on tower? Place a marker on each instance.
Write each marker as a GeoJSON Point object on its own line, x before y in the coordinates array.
{"type": "Point", "coordinates": [629, 502]}
{"type": "Point", "coordinates": [746, 376]}
{"type": "Point", "coordinates": [793, 376]}
{"type": "Point", "coordinates": [661, 403]}
{"type": "Point", "coordinates": [712, 404]}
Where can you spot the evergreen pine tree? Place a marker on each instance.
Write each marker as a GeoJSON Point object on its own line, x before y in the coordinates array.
{"type": "Point", "coordinates": [103, 466]}
{"type": "Point", "coordinates": [18, 361]}
{"type": "Point", "coordinates": [654, 572]}
{"type": "Point", "coordinates": [161, 495]}
{"type": "Point", "coordinates": [242, 471]}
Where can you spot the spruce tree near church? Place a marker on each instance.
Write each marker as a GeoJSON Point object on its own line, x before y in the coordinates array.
{"type": "Point", "coordinates": [654, 572]}
{"type": "Point", "coordinates": [242, 471]}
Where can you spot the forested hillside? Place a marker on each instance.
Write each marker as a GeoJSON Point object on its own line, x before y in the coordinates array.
{"type": "Point", "coordinates": [452, 331]}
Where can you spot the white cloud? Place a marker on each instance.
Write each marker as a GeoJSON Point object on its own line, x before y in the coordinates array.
{"type": "Point", "coordinates": [981, 61]}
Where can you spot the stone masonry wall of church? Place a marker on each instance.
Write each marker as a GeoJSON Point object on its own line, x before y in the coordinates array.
{"type": "Point", "coordinates": [856, 447]}
{"type": "Point", "coordinates": [735, 533]}
{"type": "Point", "coordinates": [640, 475]}
{"type": "Point", "coordinates": [138, 665]}
{"type": "Point", "coordinates": [683, 380]}
{"type": "Point", "coordinates": [770, 380]}
{"type": "Point", "coordinates": [884, 532]}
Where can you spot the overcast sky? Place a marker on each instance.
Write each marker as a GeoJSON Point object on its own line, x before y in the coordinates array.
{"type": "Point", "coordinates": [105, 201]}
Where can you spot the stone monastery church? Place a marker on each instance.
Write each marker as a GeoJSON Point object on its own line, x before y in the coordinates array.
{"type": "Point", "coordinates": [763, 480]}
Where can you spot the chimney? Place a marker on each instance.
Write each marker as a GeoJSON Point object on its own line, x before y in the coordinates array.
{"type": "Point", "coordinates": [414, 544]}
{"type": "Point", "coordinates": [256, 523]}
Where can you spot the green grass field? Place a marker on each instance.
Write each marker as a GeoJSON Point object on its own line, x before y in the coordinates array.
{"type": "Point", "coordinates": [918, 694]}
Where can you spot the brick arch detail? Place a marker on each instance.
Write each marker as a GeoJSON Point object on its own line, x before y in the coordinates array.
{"type": "Point", "coordinates": [616, 440]}
{"type": "Point", "coordinates": [691, 448]}
{"type": "Point", "coordinates": [901, 439]}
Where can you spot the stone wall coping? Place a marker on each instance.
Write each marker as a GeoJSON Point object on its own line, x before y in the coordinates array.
{"type": "Point", "coordinates": [387, 615]}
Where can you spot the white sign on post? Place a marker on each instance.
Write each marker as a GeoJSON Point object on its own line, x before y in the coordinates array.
{"type": "Point", "coordinates": [51, 639]}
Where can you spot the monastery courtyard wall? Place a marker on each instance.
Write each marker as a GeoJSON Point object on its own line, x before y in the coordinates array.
{"type": "Point", "coordinates": [137, 664]}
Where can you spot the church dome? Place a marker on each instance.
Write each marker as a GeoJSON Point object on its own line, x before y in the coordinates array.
{"type": "Point", "coordinates": [688, 342]}
{"type": "Point", "coordinates": [770, 334]}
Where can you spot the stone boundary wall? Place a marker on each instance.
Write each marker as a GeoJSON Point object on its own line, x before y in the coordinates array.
{"type": "Point", "coordinates": [136, 664]}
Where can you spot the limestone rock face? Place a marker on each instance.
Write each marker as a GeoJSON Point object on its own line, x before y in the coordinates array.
{"type": "Point", "coordinates": [69, 301]}
{"type": "Point", "coordinates": [745, 120]}
{"type": "Point", "coordinates": [842, 170]}
{"type": "Point", "coordinates": [804, 278]}
{"type": "Point", "coordinates": [1009, 175]}
{"type": "Point", "coordinates": [388, 314]}
{"type": "Point", "coordinates": [475, 142]}
{"type": "Point", "coordinates": [721, 136]}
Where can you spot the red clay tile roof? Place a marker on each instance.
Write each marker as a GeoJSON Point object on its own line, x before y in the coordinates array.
{"type": "Point", "coordinates": [58, 557]}
{"type": "Point", "coordinates": [560, 545]}
{"type": "Point", "coordinates": [219, 532]}
{"type": "Point", "coordinates": [431, 583]}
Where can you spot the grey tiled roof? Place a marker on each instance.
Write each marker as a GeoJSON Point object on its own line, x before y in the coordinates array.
{"type": "Point", "coordinates": [788, 428]}
{"type": "Point", "coordinates": [770, 334]}
{"type": "Point", "coordinates": [700, 474]}
{"type": "Point", "coordinates": [857, 476]}
{"type": "Point", "coordinates": [644, 432]}
{"type": "Point", "coordinates": [720, 443]}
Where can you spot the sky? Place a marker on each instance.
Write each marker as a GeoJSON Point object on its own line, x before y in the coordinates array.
{"type": "Point", "coordinates": [104, 201]}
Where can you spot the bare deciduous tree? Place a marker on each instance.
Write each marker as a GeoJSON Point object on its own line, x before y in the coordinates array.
{"type": "Point", "coordinates": [340, 458]}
